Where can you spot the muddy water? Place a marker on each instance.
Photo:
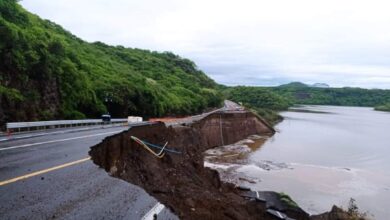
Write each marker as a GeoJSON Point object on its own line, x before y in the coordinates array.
{"type": "Point", "coordinates": [321, 156]}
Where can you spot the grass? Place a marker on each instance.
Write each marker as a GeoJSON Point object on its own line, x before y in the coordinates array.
{"type": "Point", "coordinates": [287, 199]}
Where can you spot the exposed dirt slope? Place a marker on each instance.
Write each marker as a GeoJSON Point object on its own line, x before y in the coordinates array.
{"type": "Point", "coordinates": [180, 181]}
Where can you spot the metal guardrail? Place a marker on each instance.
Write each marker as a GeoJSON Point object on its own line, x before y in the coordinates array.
{"type": "Point", "coordinates": [36, 125]}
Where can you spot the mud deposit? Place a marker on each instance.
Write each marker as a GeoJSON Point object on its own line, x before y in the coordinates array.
{"type": "Point", "coordinates": [181, 181]}
{"type": "Point", "coordinates": [229, 159]}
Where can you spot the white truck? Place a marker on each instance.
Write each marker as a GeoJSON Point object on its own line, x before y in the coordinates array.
{"type": "Point", "coordinates": [134, 119]}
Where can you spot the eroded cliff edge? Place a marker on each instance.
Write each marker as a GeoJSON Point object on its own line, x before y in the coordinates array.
{"type": "Point", "coordinates": [180, 181]}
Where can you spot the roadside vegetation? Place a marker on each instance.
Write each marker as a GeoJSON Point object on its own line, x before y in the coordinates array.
{"type": "Point", "coordinates": [258, 97]}
{"type": "Point", "coordinates": [260, 100]}
{"type": "Point", "coordinates": [271, 116]}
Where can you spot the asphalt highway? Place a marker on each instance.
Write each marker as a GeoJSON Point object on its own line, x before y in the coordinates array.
{"type": "Point", "coordinates": [50, 176]}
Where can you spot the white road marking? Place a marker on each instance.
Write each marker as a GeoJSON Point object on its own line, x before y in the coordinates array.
{"type": "Point", "coordinates": [54, 141]}
{"type": "Point", "coordinates": [280, 216]}
{"type": "Point", "coordinates": [155, 210]}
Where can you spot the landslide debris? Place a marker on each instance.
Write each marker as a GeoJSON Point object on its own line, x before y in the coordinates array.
{"type": "Point", "coordinates": [180, 181]}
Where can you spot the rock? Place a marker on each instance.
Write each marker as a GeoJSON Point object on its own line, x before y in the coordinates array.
{"type": "Point", "coordinates": [336, 213]}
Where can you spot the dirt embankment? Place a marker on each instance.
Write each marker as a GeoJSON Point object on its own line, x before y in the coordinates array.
{"type": "Point", "coordinates": [180, 181]}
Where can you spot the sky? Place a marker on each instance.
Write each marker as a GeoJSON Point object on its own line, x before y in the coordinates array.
{"type": "Point", "coordinates": [245, 42]}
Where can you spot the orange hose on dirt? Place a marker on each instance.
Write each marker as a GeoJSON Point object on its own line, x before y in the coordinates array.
{"type": "Point", "coordinates": [158, 155]}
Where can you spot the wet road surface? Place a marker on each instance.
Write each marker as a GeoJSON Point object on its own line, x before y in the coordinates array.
{"type": "Point", "coordinates": [55, 179]}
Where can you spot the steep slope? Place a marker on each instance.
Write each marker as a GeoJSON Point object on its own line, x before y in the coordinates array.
{"type": "Point", "coordinates": [48, 73]}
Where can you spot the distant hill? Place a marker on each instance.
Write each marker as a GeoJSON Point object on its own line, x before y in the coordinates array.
{"type": "Point", "coordinates": [48, 73]}
{"type": "Point", "coordinates": [322, 94]}
{"type": "Point", "coordinates": [303, 85]}
{"type": "Point", "coordinates": [320, 85]}
{"type": "Point", "coordinates": [294, 85]}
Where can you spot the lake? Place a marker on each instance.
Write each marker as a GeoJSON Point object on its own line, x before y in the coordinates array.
{"type": "Point", "coordinates": [322, 155]}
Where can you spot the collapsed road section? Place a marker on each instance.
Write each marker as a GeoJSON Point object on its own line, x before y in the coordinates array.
{"type": "Point", "coordinates": [175, 173]}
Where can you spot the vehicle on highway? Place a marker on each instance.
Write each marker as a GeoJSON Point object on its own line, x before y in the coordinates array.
{"type": "Point", "coordinates": [106, 118]}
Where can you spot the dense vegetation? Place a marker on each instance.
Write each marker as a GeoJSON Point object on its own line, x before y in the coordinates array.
{"type": "Point", "coordinates": [300, 93]}
{"type": "Point", "coordinates": [257, 97]}
{"type": "Point", "coordinates": [46, 72]}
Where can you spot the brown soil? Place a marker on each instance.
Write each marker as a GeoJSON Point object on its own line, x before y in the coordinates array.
{"type": "Point", "coordinates": [166, 119]}
{"type": "Point", "coordinates": [180, 181]}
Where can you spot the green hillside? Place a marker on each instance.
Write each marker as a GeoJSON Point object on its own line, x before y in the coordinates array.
{"type": "Point", "coordinates": [48, 73]}
{"type": "Point", "coordinates": [346, 96]}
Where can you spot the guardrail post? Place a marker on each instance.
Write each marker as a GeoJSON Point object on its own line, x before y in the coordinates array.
{"type": "Point", "coordinates": [9, 132]}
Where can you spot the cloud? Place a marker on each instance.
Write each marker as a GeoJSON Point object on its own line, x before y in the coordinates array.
{"type": "Point", "coordinates": [252, 42]}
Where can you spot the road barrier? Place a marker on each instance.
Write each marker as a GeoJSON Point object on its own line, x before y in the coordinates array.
{"type": "Point", "coordinates": [42, 125]}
